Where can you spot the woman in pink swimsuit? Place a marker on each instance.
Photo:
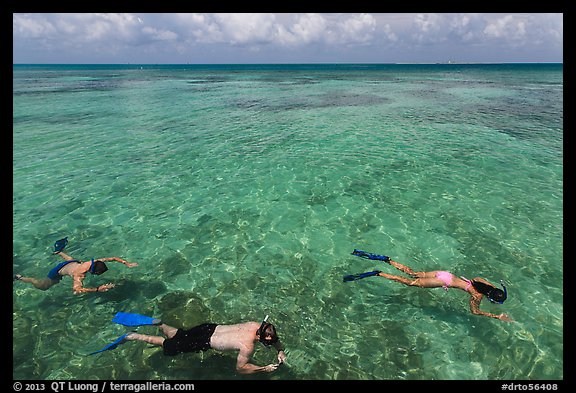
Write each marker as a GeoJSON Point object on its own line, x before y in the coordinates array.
{"type": "Point", "coordinates": [477, 287]}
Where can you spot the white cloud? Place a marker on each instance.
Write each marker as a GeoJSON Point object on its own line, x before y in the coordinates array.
{"type": "Point", "coordinates": [280, 29]}
{"type": "Point", "coordinates": [25, 26]}
{"type": "Point", "coordinates": [436, 28]}
{"type": "Point", "coordinates": [508, 26]}
{"type": "Point", "coordinates": [193, 28]}
{"type": "Point", "coordinates": [526, 29]}
{"type": "Point", "coordinates": [75, 28]}
{"type": "Point", "coordinates": [428, 23]}
{"type": "Point", "coordinates": [466, 27]}
{"type": "Point", "coordinates": [274, 33]}
{"type": "Point", "coordinates": [160, 34]}
{"type": "Point", "coordinates": [246, 28]}
{"type": "Point", "coordinates": [309, 28]}
{"type": "Point", "coordinates": [358, 29]}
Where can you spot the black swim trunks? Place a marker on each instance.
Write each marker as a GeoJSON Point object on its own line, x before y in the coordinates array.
{"type": "Point", "coordinates": [195, 339]}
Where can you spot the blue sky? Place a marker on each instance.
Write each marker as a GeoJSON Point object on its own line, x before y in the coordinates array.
{"type": "Point", "coordinates": [167, 38]}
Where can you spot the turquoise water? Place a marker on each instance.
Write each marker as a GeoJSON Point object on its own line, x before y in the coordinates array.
{"type": "Point", "coordinates": [242, 190]}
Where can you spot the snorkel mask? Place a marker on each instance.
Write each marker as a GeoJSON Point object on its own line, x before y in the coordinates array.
{"type": "Point", "coordinates": [262, 333]}
{"type": "Point", "coordinates": [97, 267]}
{"type": "Point", "coordinates": [498, 295]}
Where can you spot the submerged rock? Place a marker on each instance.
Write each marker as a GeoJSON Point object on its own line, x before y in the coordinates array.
{"type": "Point", "coordinates": [183, 309]}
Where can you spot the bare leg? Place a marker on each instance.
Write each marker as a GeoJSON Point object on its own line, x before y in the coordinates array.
{"type": "Point", "coordinates": [65, 256]}
{"type": "Point", "coordinates": [42, 284]}
{"type": "Point", "coordinates": [402, 268]}
{"type": "Point", "coordinates": [403, 280]}
{"type": "Point", "coordinates": [409, 271]}
{"type": "Point", "coordinates": [422, 282]}
{"type": "Point", "coordinates": [155, 340]}
{"type": "Point", "coordinates": [168, 331]}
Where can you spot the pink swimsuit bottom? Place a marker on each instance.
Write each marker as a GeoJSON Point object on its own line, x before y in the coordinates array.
{"type": "Point", "coordinates": [447, 278]}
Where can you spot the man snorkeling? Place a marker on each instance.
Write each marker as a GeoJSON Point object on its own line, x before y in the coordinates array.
{"type": "Point", "coordinates": [477, 287]}
{"type": "Point", "coordinates": [240, 337]}
{"type": "Point", "coordinates": [75, 269]}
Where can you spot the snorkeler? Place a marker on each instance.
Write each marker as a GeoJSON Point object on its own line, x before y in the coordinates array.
{"type": "Point", "coordinates": [477, 287]}
{"type": "Point", "coordinates": [240, 337]}
{"type": "Point", "coordinates": [75, 269]}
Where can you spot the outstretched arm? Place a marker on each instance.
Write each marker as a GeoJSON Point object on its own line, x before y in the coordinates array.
{"type": "Point", "coordinates": [122, 261]}
{"type": "Point", "coordinates": [78, 288]}
{"type": "Point", "coordinates": [244, 367]}
{"type": "Point", "coordinates": [475, 309]}
{"type": "Point", "coordinates": [280, 348]}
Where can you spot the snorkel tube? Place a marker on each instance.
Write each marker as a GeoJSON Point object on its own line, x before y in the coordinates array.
{"type": "Point", "coordinates": [259, 331]}
{"type": "Point", "coordinates": [505, 291]}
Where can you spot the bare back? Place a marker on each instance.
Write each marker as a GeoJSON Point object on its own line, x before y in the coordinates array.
{"type": "Point", "coordinates": [240, 336]}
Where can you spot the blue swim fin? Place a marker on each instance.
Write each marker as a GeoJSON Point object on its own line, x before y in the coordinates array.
{"type": "Point", "coordinates": [353, 277]}
{"type": "Point", "coordinates": [112, 345]}
{"type": "Point", "coordinates": [129, 319]}
{"type": "Point", "coordinates": [60, 245]}
{"type": "Point", "coordinates": [367, 255]}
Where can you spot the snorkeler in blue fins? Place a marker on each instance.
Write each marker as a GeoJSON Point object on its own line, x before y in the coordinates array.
{"type": "Point", "coordinates": [240, 337]}
{"type": "Point", "coordinates": [478, 288]}
{"type": "Point", "coordinates": [75, 269]}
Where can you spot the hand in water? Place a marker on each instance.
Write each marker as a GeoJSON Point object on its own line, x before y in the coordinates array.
{"type": "Point", "coordinates": [505, 317]}
{"type": "Point", "coordinates": [271, 367]}
{"type": "Point", "coordinates": [106, 287]}
{"type": "Point", "coordinates": [281, 357]}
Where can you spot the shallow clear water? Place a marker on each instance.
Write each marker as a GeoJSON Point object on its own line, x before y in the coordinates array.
{"type": "Point", "coordinates": [242, 190]}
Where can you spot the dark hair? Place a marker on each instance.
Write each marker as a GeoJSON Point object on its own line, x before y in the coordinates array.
{"type": "Point", "coordinates": [267, 329]}
{"type": "Point", "coordinates": [481, 287]}
{"type": "Point", "coordinates": [495, 295]}
{"type": "Point", "coordinates": [98, 267]}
